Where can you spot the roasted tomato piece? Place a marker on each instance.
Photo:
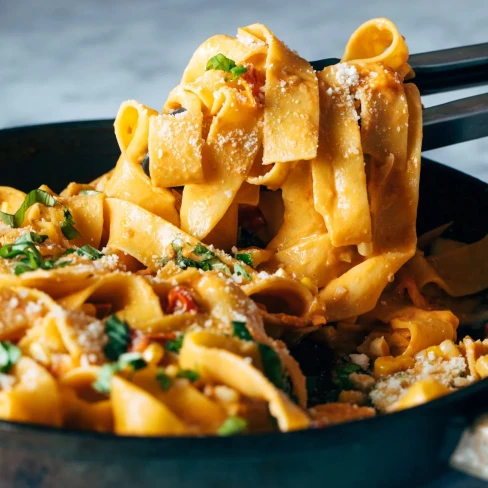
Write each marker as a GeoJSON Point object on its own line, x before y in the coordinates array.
{"type": "Point", "coordinates": [180, 300]}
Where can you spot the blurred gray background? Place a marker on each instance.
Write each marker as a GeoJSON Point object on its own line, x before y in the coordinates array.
{"type": "Point", "coordinates": [66, 60]}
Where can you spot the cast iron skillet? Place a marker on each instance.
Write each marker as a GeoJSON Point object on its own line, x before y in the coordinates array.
{"type": "Point", "coordinates": [400, 449]}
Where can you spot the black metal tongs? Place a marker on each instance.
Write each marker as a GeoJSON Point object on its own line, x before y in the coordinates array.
{"type": "Point", "coordinates": [442, 71]}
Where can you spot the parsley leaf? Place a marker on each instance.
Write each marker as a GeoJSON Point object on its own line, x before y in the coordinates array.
{"type": "Point", "coordinates": [118, 333]}
{"type": "Point", "coordinates": [245, 257]}
{"type": "Point", "coordinates": [239, 270]}
{"type": "Point", "coordinates": [188, 374]}
{"type": "Point", "coordinates": [175, 345]}
{"type": "Point", "coordinates": [342, 376]}
{"type": "Point", "coordinates": [222, 62]}
{"type": "Point", "coordinates": [89, 252]}
{"type": "Point", "coordinates": [240, 330]}
{"type": "Point", "coordinates": [9, 355]}
{"type": "Point", "coordinates": [164, 380]}
{"type": "Point", "coordinates": [231, 426]}
{"type": "Point", "coordinates": [40, 196]}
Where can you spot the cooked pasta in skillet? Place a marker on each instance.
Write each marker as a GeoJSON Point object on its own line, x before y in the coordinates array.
{"type": "Point", "coordinates": [266, 205]}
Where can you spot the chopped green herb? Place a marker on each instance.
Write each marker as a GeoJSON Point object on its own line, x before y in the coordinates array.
{"type": "Point", "coordinates": [239, 270]}
{"type": "Point", "coordinates": [132, 360]}
{"type": "Point", "coordinates": [31, 237]}
{"type": "Point", "coordinates": [164, 380]}
{"type": "Point", "coordinates": [188, 374]}
{"type": "Point", "coordinates": [104, 378]}
{"type": "Point", "coordinates": [221, 62]}
{"type": "Point", "coordinates": [246, 258]}
{"type": "Point", "coordinates": [270, 360]}
{"type": "Point", "coordinates": [9, 355]}
{"type": "Point", "coordinates": [237, 71]}
{"type": "Point", "coordinates": [175, 345]}
{"type": "Point", "coordinates": [210, 262]}
{"type": "Point", "coordinates": [231, 426]}
{"type": "Point", "coordinates": [31, 259]}
{"type": "Point", "coordinates": [272, 366]}
{"type": "Point", "coordinates": [240, 330]}
{"type": "Point", "coordinates": [89, 252]}
{"type": "Point", "coordinates": [68, 226]}
{"type": "Point", "coordinates": [40, 196]}
{"type": "Point", "coordinates": [201, 250]}
{"type": "Point", "coordinates": [342, 376]}
{"type": "Point", "coordinates": [34, 196]}
{"type": "Point", "coordinates": [118, 333]}
{"type": "Point", "coordinates": [89, 192]}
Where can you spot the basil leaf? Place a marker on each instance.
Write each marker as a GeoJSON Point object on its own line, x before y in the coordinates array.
{"type": "Point", "coordinates": [231, 426]}
{"type": "Point", "coordinates": [40, 196]}
{"type": "Point", "coordinates": [118, 333]}
{"type": "Point", "coordinates": [239, 270]}
{"type": "Point", "coordinates": [245, 257]}
{"type": "Point", "coordinates": [164, 380]}
{"type": "Point", "coordinates": [201, 250]}
{"type": "Point", "coordinates": [34, 196]}
{"type": "Point", "coordinates": [68, 226]}
{"type": "Point", "coordinates": [221, 62]}
{"type": "Point", "coordinates": [175, 345]}
{"type": "Point", "coordinates": [342, 376]}
{"type": "Point", "coordinates": [89, 252]}
{"type": "Point", "coordinates": [272, 366]}
{"type": "Point", "coordinates": [31, 237]}
{"type": "Point", "coordinates": [210, 262]}
{"type": "Point", "coordinates": [240, 330]}
{"type": "Point", "coordinates": [9, 355]}
{"type": "Point", "coordinates": [188, 374]}
{"type": "Point", "coordinates": [89, 192]}
{"type": "Point", "coordinates": [237, 71]}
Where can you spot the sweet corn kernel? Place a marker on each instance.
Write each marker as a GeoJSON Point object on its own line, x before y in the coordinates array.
{"type": "Point", "coordinates": [421, 392]}
{"type": "Point", "coordinates": [379, 347]}
{"type": "Point", "coordinates": [351, 396]}
{"type": "Point", "coordinates": [449, 349]}
{"type": "Point", "coordinates": [306, 281]}
{"type": "Point", "coordinates": [153, 353]}
{"type": "Point", "coordinates": [387, 365]}
{"type": "Point", "coordinates": [481, 366]}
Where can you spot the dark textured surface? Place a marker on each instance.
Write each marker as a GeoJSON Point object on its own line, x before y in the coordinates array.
{"type": "Point", "coordinates": [401, 449]}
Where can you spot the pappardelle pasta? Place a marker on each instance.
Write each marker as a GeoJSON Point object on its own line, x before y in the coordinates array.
{"type": "Point", "coordinates": [265, 207]}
